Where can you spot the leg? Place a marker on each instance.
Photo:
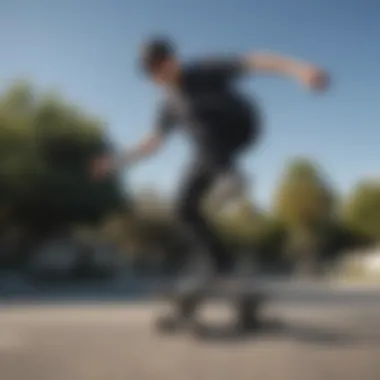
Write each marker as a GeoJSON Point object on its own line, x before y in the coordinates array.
{"type": "Point", "coordinates": [198, 182]}
{"type": "Point", "coordinates": [248, 311]}
{"type": "Point", "coordinates": [216, 157]}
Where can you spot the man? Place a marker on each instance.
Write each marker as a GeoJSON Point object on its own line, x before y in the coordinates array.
{"type": "Point", "coordinates": [201, 97]}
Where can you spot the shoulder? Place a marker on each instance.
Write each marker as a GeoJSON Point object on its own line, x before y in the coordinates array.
{"type": "Point", "coordinates": [194, 66]}
{"type": "Point", "coordinates": [214, 64]}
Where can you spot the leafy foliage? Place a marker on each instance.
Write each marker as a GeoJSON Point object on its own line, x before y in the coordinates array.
{"type": "Point", "coordinates": [46, 146]}
{"type": "Point", "coordinates": [362, 209]}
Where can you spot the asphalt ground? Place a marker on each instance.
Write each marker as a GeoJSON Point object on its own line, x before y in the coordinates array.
{"type": "Point", "coordinates": [117, 340]}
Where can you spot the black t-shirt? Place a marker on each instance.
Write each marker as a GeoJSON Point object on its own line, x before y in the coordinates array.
{"type": "Point", "coordinates": [206, 101]}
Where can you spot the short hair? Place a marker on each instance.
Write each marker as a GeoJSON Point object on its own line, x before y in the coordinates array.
{"type": "Point", "coordinates": [154, 52]}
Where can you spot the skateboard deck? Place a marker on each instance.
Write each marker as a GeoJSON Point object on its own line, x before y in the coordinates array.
{"type": "Point", "coordinates": [246, 302]}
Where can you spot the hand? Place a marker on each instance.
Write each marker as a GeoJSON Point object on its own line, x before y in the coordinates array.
{"type": "Point", "coordinates": [103, 166]}
{"type": "Point", "coordinates": [314, 78]}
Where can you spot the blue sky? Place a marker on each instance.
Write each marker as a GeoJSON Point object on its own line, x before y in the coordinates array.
{"type": "Point", "coordinates": [87, 50]}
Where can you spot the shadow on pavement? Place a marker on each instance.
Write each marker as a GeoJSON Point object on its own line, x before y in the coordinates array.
{"type": "Point", "coordinates": [289, 331]}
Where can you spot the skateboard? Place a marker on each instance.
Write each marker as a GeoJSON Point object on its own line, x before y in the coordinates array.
{"type": "Point", "coordinates": [184, 306]}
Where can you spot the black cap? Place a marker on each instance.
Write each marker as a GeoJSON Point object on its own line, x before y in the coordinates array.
{"type": "Point", "coordinates": [154, 52]}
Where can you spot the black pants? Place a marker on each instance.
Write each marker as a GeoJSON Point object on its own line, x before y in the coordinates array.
{"type": "Point", "coordinates": [218, 157]}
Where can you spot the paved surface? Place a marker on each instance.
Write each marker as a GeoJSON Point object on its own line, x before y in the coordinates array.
{"type": "Point", "coordinates": [117, 342]}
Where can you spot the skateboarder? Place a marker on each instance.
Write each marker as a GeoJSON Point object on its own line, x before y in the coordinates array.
{"type": "Point", "coordinates": [201, 97]}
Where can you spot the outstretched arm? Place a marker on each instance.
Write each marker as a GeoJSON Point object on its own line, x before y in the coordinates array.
{"type": "Point", "coordinates": [266, 63]}
{"type": "Point", "coordinates": [103, 166]}
{"type": "Point", "coordinates": [164, 125]}
{"type": "Point", "coordinates": [144, 149]}
{"type": "Point", "coordinates": [273, 63]}
{"type": "Point", "coordinates": [147, 147]}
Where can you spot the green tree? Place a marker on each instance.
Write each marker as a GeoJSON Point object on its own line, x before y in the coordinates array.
{"type": "Point", "coordinates": [361, 211]}
{"type": "Point", "coordinates": [304, 204]}
{"type": "Point", "coordinates": [270, 245]}
{"type": "Point", "coordinates": [46, 146]}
